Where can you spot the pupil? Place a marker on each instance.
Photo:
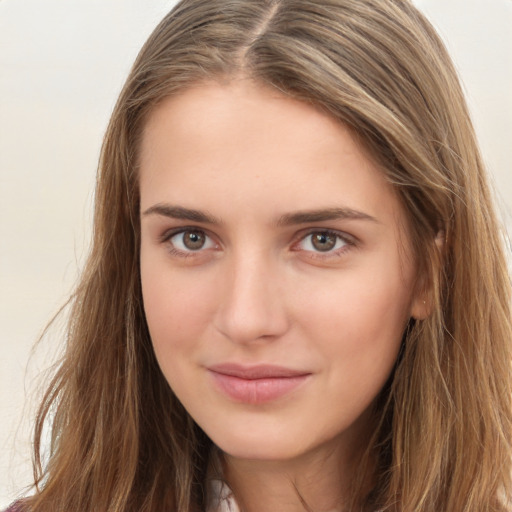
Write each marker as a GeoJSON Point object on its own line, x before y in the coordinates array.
{"type": "Point", "coordinates": [324, 241]}
{"type": "Point", "coordinates": [194, 240]}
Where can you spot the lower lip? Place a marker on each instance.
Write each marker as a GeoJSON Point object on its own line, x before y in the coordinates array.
{"type": "Point", "coordinates": [257, 391]}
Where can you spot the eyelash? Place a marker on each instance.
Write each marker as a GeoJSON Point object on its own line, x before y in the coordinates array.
{"type": "Point", "coordinates": [348, 241]}
{"type": "Point", "coordinates": [167, 237]}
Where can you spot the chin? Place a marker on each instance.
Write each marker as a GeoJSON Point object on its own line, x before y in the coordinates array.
{"type": "Point", "coordinates": [260, 445]}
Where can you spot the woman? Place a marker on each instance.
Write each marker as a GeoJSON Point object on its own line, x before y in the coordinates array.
{"type": "Point", "coordinates": [297, 297]}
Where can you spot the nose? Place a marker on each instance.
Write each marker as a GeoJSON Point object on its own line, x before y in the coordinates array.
{"type": "Point", "coordinates": [252, 304]}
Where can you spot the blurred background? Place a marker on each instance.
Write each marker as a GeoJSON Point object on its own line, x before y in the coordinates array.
{"type": "Point", "coordinates": [62, 65]}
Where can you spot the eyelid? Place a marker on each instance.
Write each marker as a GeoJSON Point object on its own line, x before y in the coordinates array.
{"type": "Point", "coordinates": [349, 241]}
{"type": "Point", "coordinates": [170, 233]}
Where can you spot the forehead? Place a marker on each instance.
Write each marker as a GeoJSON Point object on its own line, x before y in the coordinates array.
{"type": "Point", "coordinates": [260, 146]}
{"type": "Point", "coordinates": [241, 107]}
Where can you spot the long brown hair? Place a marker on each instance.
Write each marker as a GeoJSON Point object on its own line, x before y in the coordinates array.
{"type": "Point", "coordinates": [121, 441]}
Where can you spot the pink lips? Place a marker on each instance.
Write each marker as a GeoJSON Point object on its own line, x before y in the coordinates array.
{"type": "Point", "coordinates": [256, 384]}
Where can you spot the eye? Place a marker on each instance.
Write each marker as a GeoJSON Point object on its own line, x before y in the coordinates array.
{"type": "Point", "coordinates": [190, 240]}
{"type": "Point", "coordinates": [323, 242]}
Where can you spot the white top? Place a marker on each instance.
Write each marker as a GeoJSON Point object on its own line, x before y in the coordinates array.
{"type": "Point", "coordinates": [223, 499]}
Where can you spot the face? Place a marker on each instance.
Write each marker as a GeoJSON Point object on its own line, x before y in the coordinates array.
{"type": "Point", "coordinates": [276, 271]}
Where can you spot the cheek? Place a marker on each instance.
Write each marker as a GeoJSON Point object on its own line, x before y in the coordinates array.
{"type": "Point", "coordinates": [359, 323]}
{"type": "Point", "coordinates": [178, 307]}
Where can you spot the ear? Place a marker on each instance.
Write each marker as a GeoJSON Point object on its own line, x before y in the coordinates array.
{"type": "Point", "coordinates": [420, 307]}
{"type": "Point", "coordinates": [423, 300]}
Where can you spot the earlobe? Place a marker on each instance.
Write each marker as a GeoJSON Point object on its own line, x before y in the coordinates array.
{"type": "Point", "coordinates": [421, 308]}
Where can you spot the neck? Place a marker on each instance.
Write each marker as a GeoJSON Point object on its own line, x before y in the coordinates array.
{"type": "Point", "coordinates": [318, 481]}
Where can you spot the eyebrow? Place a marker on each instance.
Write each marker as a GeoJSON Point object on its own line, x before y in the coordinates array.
{"type": "Point", "coordinates": [179, 212]}
{"type": "Point", "coordinates": [288, 219]}
{"type": "Point", "coordinates": [328, 214]}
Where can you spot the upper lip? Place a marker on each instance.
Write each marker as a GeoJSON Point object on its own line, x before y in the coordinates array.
{"type": "Point", "coordinates": [260, 371]}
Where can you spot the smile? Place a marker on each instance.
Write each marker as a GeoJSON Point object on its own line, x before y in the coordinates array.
{"type": "Point", "coordinates": [256, 384]}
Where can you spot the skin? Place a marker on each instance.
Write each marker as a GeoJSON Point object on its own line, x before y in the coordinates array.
{"type": "Point", "coordinates": [259, 291]}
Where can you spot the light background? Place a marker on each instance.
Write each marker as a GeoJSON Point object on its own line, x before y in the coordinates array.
{"type": "Point", "coordinates": [62, 64]}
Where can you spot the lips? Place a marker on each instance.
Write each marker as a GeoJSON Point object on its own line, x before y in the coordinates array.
{"type": "Point", "coordinates": [256, 384]}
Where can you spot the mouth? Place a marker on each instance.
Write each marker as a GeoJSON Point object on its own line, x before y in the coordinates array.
{"type": "Point", "coordinates": [256, 384]}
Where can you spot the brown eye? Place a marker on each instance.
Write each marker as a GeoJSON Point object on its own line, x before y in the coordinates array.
{"type": "Point", "coordinates": [323, 241]}
{"type": "Point", "coordinates": [193, 240]}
